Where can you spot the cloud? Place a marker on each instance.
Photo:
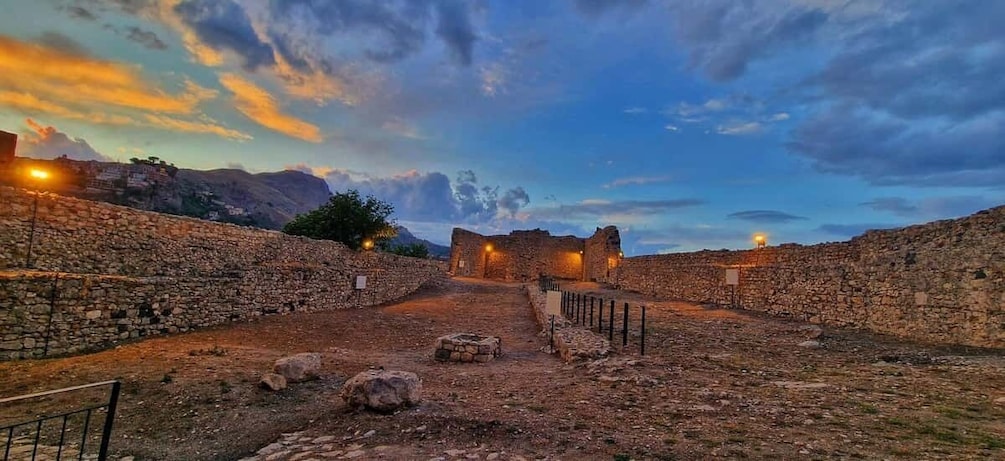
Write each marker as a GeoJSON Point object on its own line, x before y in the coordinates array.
{"type": "Point", "coordinates": [896, 205]}
{"type": "Point", "coordinates": [636, 180]}
{"type": "Point", "coordinates": [46, 142]}
{"type": "Point", "coordinates": [513, 200]}
{"type": "Point", "coordinates": [671, 128]}
{"type": "Point", "coordinates": [681, 237]}
{"type": "Point", "coordinates": [58, 78]}
{"type": "Point", "coordinates": [455, 29]}
{"type": "Point", "coordinates": [887, 150]}
{"type": "Point", "coordinates": [635, 110]}
{"type": "Point", "coordinates": [261, 107]}
{"type": "Point", "coordinates": [765, 216]}
{"type": "Point", "coordinates": [402, 128]}
{"type": "Point", "coordinates": [851, 230]}
{"type": "Point", "coordinates": [224, 25]}
{"type": "Point", "coordinates": [596, 8]}
{"type": "Point", "coordinates": [781, 116]}
{"type": "Point", "coordinates": [932, 208]}
{"type": "Point", "coordinates": [146, 38]}
{"type": "Point", "coordinates": [725, 36]}
{"type": "Point", "coordinates": [431, 197]}
{"type": "Point", "coordinates": [739, 128]}
{"type": "Point", "coordinates": [79, 12]}
{"type": "Point", "coordinates": [607, 210]}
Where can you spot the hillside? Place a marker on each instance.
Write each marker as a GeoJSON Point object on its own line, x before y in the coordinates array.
{"type": "Point", "coordinates": [266, 200]}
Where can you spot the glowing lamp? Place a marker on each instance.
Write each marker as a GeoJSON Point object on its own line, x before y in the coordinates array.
{"type": "Point", "coordinates": [621, 254]}
{"type": "Point", "coordinates": [367, 244]}
{"type": "Point", "coordinates": [38, 175]}
{"type": "Point", "coordinates": [760, 240]}
{"type": "Point", "coordinates": [488, 248]}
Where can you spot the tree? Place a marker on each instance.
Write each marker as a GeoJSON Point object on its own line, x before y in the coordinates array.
{"type": "Point", "coordinates": [346, 218]}
{"type": "Point", "coordinates": [415, 250]}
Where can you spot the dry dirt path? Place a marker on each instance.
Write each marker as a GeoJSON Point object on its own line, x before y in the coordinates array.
{"type": "Point", "coordinates": [715, 384]}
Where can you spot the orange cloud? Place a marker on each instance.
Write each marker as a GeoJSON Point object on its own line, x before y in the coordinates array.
{"type": "Point", "coordinates": [36, 79]}
{"type": "Point", "coordinates": [259, 106]}
{"type": "Point", "coordinates": [52, 74]}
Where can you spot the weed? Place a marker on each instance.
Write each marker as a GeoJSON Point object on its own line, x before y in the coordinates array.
{"type": "Point", "coordinates": [868, 409]}
{"type": "Point", "coordinates": [622, 457]}
{"type": "Point", "coordinates": [167, 379]}
{"type": "Point", "coordinates": [224, 387]}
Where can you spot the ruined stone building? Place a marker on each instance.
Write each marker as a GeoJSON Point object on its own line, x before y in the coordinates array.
{"type": "Point", "coordinates": [524, 255]}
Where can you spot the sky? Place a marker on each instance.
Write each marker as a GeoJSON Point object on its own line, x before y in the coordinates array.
{"type": "Point", "coordinates": [688, 124]}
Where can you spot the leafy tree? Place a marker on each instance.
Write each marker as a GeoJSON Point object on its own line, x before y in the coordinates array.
{"type": "Point", "coordinates": [415, 250]}
{"type": "Point", "coordinates": [346, 218]}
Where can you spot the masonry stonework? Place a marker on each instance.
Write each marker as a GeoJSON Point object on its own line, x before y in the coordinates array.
{"type": "Point", "coordinates": [102, 273]}
{"type": "Point", "coordinates": [525, 255]}
{"type": "Point", "coordinates": [942, 282]}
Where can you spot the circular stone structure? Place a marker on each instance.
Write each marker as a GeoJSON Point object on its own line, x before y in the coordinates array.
{"type": "Point", "coordinates": [467, 347]}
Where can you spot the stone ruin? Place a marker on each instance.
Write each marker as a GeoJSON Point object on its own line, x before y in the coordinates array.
{"type": "Point", "coordinates": [467, 347]}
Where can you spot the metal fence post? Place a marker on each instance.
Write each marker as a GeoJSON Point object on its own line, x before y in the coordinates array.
{"type": "Point", "coordinates": [600, 318]}
{"type": "Point", "coordinates": [642, 347]}
{"type": "Point", "coordinates": [610, 325]}
{"type": "Point", "coordinates": [106, 435]}
{"type": "Point", "coordinates": [551, 337]}
{"type": "Point", "coordinates": [624, 329]}
{"type": "Point", "coordinates": [591, 311]}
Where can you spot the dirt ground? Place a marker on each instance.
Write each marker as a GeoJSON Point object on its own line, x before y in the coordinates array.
{"type": "Point", "coordinates": [714, 383]}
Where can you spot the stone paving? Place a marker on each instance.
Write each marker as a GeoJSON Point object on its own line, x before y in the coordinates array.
{"type": "Point", "coordinates": [299, 446]}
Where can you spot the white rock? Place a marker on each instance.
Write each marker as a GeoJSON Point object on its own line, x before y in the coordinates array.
{"type": "Point", "coordinates": [300, 367]}
{"type": "Point", "coordinates": [382, 390]}
{"type": "Point", "coordinates": [810, 344]}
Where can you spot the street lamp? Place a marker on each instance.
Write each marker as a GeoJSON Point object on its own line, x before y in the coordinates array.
{"type": "Point", "coordinates": [760, 241]}
{"type": "Point", "coordinates": [367, 244]}
{"type": "Point", "coordinates": [37, 176]}
{"type": "Point", "coordinates": [485, 267]}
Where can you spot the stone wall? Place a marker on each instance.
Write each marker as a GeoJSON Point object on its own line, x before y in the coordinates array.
{"type": "Point", "coordinates": [942, 282]}
{"type": "Point", "coordinates": [122, 273]}
{"type": "Point", "coordinates": [524, 255]}
{"type": "Point", "coordinates": [603, 254]}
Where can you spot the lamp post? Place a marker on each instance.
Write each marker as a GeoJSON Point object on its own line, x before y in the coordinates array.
{"type": "Point", "coordinates": [485, 267]}
{"type": "Point", "coordinates": [760, 241]}
{"type": "Point", "coordinates": [37, 176]}
{"type": "Point", "coordinates": [367, 244]}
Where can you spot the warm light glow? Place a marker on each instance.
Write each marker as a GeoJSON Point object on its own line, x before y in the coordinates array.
{"type": "Point", "coordinates": [368, 244]}
{"type": "Point", "coordinates": [760, 240]}
{"type": "Point", "coordinates": [621, 254]}
{"type": "Point", "coordinates": [488, 247]}
{"type": "Point", "coordinates": [40, 175]}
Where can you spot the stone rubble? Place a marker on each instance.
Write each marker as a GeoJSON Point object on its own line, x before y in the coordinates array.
{"type": "Point", "coordinates": [300, 447]}
{"type": "Point", "coordinates": [467, 347]}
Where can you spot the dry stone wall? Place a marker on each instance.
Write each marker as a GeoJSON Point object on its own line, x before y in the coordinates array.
{"type": "Point", "coordinates": [942, 282]}
{"type": "Point", "coordinates": [103, 273]}
{"type": "Point", "coordinates": [524, 255]}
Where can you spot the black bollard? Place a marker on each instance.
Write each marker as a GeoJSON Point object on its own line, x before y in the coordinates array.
{"type": "Point", "coordinates": [624, 329]}
{"type": "Point", "coordinates": [642, 344]}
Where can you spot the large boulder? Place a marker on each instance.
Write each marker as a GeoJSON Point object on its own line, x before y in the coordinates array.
{"type": "Point", "coordinates": [300, 367]}
{"type": "Point", "coordinates": [382, 390]}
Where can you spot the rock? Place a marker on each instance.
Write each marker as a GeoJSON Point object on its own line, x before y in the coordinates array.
{"type": "Point", "coordinates": [273, 382]}
{"type": "Point", "coordinates": [1000, 401]}
{"type": "Point", "coordinates": [300, 367]}
{"type": "Point", "coordinates": [382, 390]}
{"type": "Point", "coordinates": [369, 434]}
{"type": "Point", "coordinates": [810, 344]}
{"type": "Point", "coordinates": [454, 452]}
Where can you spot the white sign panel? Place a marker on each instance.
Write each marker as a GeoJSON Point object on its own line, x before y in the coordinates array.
{"type": "Point", "coordinates": [732, 276]}
{"type": "Point", "coordinates": [360, 282]}
{"type": "Point", "coordinates": [460, 263]}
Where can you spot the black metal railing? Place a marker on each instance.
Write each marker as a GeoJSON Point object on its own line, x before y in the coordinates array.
{"type": "Point", "coordinates": [60, 439]}
{"type": "Point", "coordinates": [546, 283]}
{"type": "Point", "coordinates": [580, 308]}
